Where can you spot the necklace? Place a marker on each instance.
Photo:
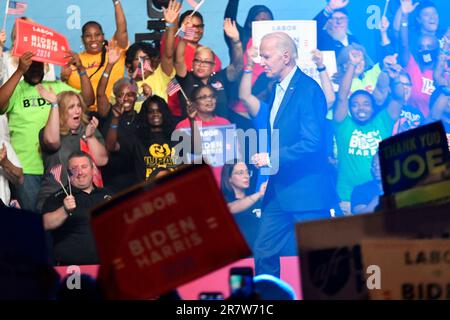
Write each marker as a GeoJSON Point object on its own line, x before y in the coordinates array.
{"type": "Point", "coordinates": [130, 121]}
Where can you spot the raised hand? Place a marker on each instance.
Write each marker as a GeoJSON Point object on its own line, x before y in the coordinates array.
{"type": "Point", "coordinates": [90, 128]}
{"type": "Point", "coordinates": [384, 24]}
{"type": "Point", "coordinates": [69, 203]}
{"type": "Point", "coordinates": [66, 71]}
{"type": "Point", "coordinates": [172, 12]}
{"type": "Point", "coordinates": [260, 159]}
{"type": "Point", "coordinates": [230, 29]}
{"type": "Point", "coordinates": [338, 4]}
{"type": "Point", "coordinates": [48, 95]}
{"type": "Point", "coordinates": [113, 51]}
{"type": "Point", "coordinates": [73, 59]}
{"type": "Point", "coordinates": [25, 61]}
{"type": "Point", "coordinates": [317, 58]}
{"type": "Point", "coordinates": [391, 66]}
{"type": "Point", "coordinates": [117, 110]}
{"type": "Point", "coordinates": [355, 57]}
{"type": "Point", "coordinates": [147, 90]}
{"type": "Point", "coordinates": [262, 189]}
{"type": "Point", "coordinates": [407, 6]}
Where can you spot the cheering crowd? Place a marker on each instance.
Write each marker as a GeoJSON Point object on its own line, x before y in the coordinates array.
{"type": "Point", "coordinates": [107, 121]}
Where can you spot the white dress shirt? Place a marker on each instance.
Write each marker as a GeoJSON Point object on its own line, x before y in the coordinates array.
{"type": "Point", "coordinates": [279, 95]}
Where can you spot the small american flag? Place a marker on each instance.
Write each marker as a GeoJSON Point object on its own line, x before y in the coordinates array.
{"type": "Point", "coordinates": [16, 7]}
{"type": "Point", "coordinates": [56, 172]}
{"type": "Point", "coordinates": [145, 63]}
{"type": "Point", "coordinates": [189, 33]}
{"type": "Point", "coordinates": [173, 87]}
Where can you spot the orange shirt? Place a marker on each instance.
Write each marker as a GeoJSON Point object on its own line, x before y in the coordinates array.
{"type": "Point", "coordinates": [91, 63]}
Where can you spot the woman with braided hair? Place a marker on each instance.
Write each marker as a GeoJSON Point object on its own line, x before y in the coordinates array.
{"type": "Point", "coordinates": [94, 58]}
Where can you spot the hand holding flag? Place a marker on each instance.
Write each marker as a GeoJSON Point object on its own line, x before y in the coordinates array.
{"type": "Point", "coordinates": [173, 87]}
{"type": "Point", "coordinates": [197, 7]}
{"type": "Point", "coordinates": [56, 173]}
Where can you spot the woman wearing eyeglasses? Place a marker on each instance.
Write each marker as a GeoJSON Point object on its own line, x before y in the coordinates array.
{"type": "Point", "coordinates": [202, 110]}
{"type": "Point", "coordinates": [151, 69]}
{"type": "Point", "coordinates": [203, 67]}
{"type": "Point", "coordinates": [245, 206]}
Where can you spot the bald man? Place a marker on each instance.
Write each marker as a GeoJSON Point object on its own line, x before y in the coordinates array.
{"type": "Point", "coordinates": [301, 189]}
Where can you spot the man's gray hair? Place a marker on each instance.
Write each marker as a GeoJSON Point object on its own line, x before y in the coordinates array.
{"type": "Point", "coordinates": [284, 43]}
{"type": "Point", "coordinates": [124, 81]}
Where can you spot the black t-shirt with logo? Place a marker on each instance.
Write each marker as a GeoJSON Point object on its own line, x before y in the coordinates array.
{"type": "Point", "coordinates": [150, 152]}
{"type": "Point", "coordinates": [73, 242]}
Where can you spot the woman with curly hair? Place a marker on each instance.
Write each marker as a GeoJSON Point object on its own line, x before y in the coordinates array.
{"type": "Point", "coordinates": [150, 145]}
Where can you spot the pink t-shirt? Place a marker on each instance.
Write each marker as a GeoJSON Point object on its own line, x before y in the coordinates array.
{"type": "Point", "coordinates": [216, 121]}
{"type": "Point", "coordinates": [422, 87]}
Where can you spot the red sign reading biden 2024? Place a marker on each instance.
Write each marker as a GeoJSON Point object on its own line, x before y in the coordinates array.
{"type": "Point", "coordinates": [156, 238]}
{"type": "Point", "coordinates": [47, 45]}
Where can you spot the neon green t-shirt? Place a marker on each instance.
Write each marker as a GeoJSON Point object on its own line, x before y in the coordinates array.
{"type": "Point", "coordinates": [27, 113]}
{"type": "Point", "coordinates": [368, 82]}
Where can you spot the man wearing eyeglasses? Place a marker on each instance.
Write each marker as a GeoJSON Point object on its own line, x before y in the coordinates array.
{"type": "Point", "coordinates": [332, 27]}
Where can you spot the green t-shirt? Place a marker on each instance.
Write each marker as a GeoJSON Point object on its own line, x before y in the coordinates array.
{"type": "Point", "coordinates": [357, 144]}
{"type": "Point", "coordinates": [27, 113]}
{"type": "Point", "coordinates": [368, 82]}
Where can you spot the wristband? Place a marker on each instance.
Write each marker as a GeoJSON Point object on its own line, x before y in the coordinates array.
{"type": "Point", "coordinates": [116, 2]}
{"type": "Point", "coordinates": [55, 105]}
{"type": "Point", "coordinates": [105, 74]}
{"type": "Point", "coordinates": [328, 11]}
{"type": "Point", "coordinates": [248, 71]}
{"type": "Point", "coordinates": [82, 73]}
{"type": "Point", "coordinates": [170, 25]}
{"type": "Point", "coordinates": [113, 126]}
{"type": "Point", "coordinates": [320, 69]}
{"type": "Point", "coordinates": [353, 64]}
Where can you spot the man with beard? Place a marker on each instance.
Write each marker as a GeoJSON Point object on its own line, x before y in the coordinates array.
{"type": "Point", "coordinates": [28, 112]}
{"type": "Point", "coordinates": [332, 27]}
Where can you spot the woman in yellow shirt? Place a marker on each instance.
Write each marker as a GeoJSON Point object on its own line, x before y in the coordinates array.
{"type": "Point", "coordinates": [94, 57]}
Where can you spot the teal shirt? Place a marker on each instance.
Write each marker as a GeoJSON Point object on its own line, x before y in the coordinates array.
{"type": "Point", "coordinates": [356, 145]}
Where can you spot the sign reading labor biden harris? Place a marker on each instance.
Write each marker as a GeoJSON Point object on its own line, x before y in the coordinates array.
{"type": "Point", "coordinates": [157, 237]}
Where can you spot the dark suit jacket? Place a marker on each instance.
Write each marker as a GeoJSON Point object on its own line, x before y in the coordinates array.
{"type": "Point", "coordinates": [303, 182]}
{"type": "Point", "coordinates": [325, 42]}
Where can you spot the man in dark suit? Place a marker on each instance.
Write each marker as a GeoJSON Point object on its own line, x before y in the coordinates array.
{"type": "Point", "coordinates": [299, 188]}
{"type": "Point", "coordinates": [332, 27]}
